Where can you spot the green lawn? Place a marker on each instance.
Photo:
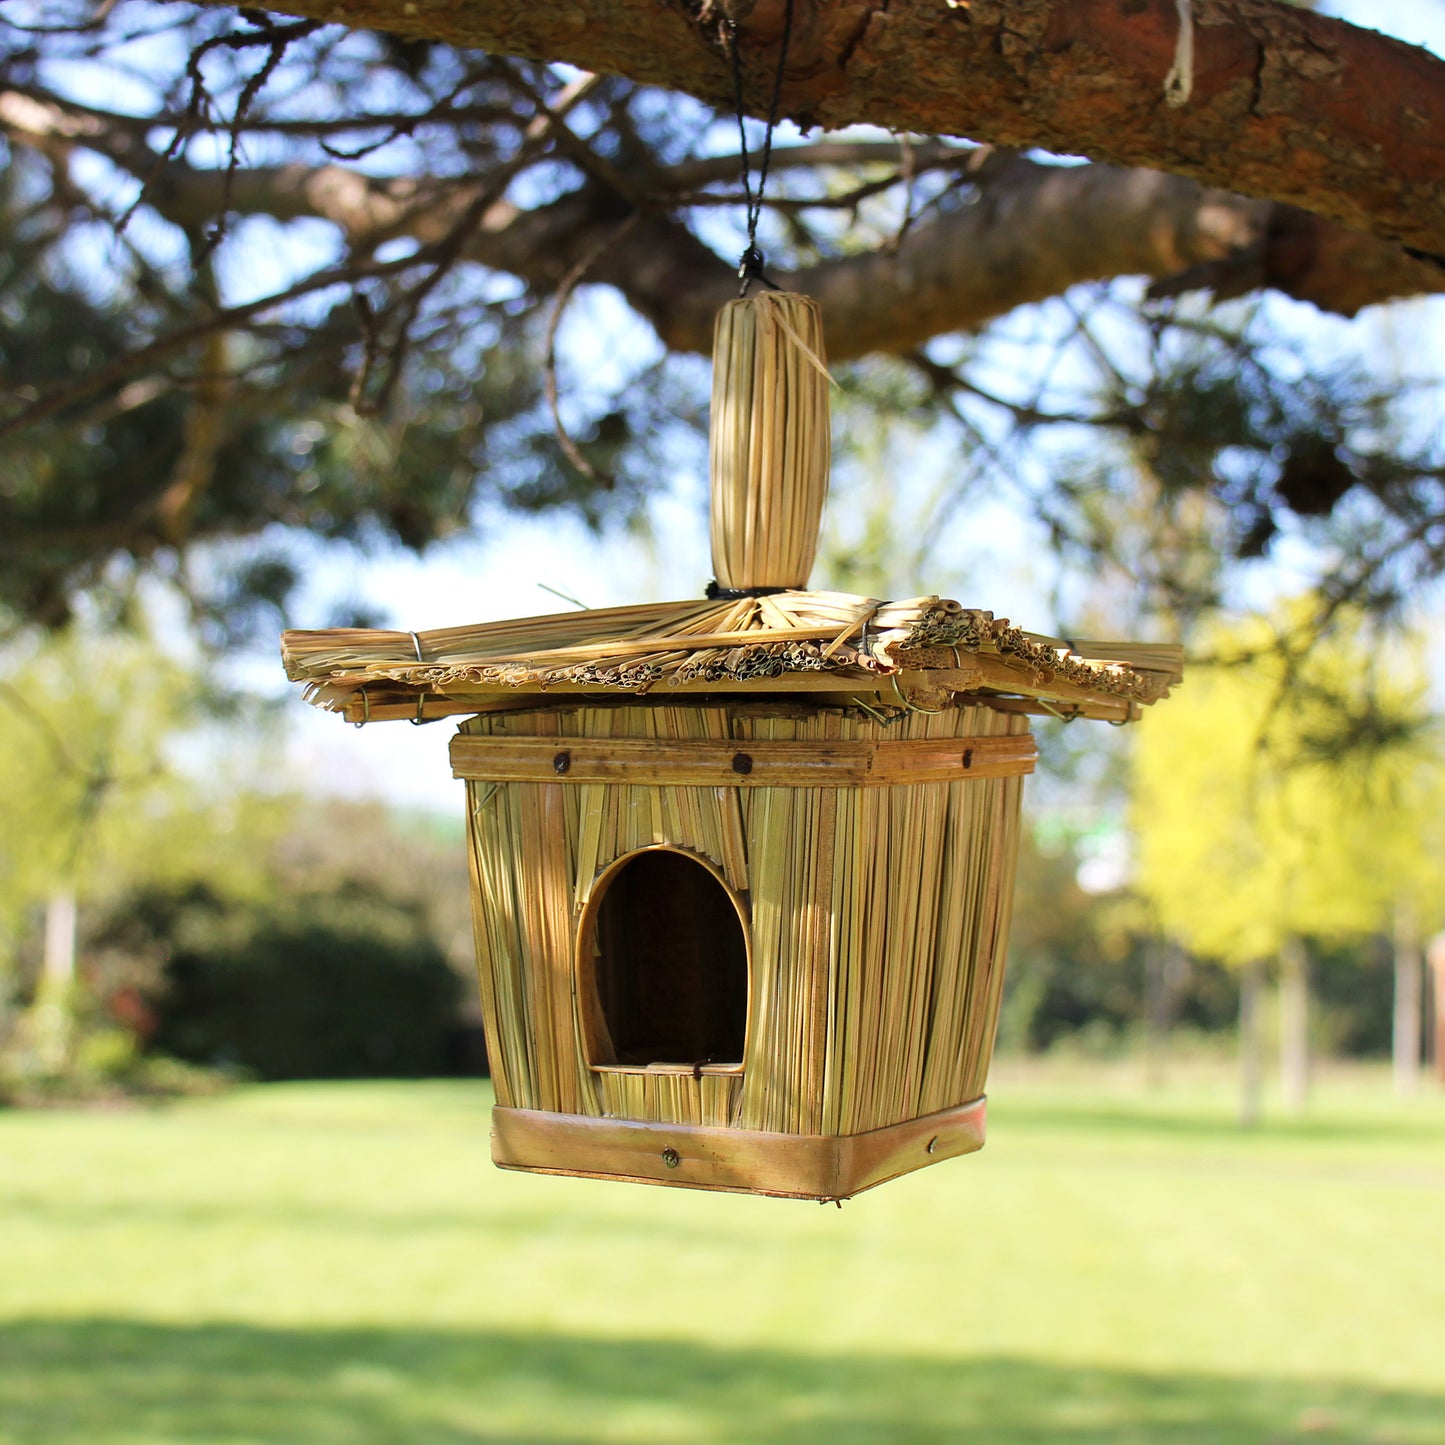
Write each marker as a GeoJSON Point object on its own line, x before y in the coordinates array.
{"type": "Point", "coordinates": [307, 1264]}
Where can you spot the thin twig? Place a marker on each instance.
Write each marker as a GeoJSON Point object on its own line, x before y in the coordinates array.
{"type": "Point", "coordinates": [164, 346]}
{"type": "Point", "coordinates": [277, 38]}
{"type": "Point", "coordinates": [908, 173]}
{"type": "Point", "coordinates": [570, 282]}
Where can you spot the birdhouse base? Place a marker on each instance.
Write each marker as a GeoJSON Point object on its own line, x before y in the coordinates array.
{"type": "Point", "coordinates": [736, 1161]}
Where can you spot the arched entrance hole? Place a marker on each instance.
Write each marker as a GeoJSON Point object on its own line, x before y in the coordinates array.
{"type": "Point", "coordinates": [664, 944]}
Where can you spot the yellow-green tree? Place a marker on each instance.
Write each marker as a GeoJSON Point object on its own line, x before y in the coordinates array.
{"type": "Point", "coordinates": [1283, 795]}
{"type": "Point", "coordinates": [1403, 807]}
{"type": "Point", "coordinates": [91, 726]}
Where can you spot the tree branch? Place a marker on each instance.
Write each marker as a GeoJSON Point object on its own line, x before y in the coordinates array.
{"type": "Point", "coordinates": [1033, 231]}
{"type": "Point", "coordinates": [1286, 104]}
{"type": "Point", "coordinates": [145, 357]}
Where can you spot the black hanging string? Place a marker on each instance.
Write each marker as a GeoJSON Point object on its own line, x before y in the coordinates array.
{"type": "Point", "coordinates": [750, 263]}
{"type": "Point", "coordinates": [716, 592]}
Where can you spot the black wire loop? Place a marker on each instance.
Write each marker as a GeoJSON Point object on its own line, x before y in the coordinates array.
{"type": "Point", "coordinates": [716, 592]}
{"type": "Point", "coordinates": [750, 263]}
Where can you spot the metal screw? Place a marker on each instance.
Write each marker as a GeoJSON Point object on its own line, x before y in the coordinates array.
{"type": "Point", "coordinates": [561, 762]}
{"type": "Point", "coordinates": [742, 763]}
{"type": "Point", "coordinates": [968, 757]}
{"type": "Point", "coordinates": [933, 1145]}
{"type": "Point", "coordinates": [671, 1157]}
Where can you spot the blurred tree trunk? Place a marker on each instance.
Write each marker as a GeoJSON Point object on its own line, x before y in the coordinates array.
{"type": "Point", "coordinates": [1436, 957]}
{"type": "Point", "coordinates": [1294, 1024]}
{"type": "Point", "coordinates": [1251, 1043]}
{"type": "Point", "coordinates": [1166, 971]}
{"type": "Point", "coordinates": [52, 1016]}
{"type": "Point", "coordinates": [1405, 1052]}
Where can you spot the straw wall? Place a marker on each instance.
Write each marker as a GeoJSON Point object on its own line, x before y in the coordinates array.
{"type": "Point", "coordinates": [879, 923]}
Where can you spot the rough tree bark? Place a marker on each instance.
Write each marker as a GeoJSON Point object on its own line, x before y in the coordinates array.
{"type": "Point", "coordinates": [1286, 104]}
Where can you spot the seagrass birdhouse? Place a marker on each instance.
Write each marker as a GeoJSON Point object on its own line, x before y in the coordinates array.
{"type": "Point", "coordinates": [742, 867]}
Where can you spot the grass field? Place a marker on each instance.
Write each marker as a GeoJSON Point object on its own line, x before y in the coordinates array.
{"type": "Point", "coordinates": [308, 1264]}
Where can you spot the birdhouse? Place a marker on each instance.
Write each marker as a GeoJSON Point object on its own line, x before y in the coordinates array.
{"type": "Point", "coordinates": [742, 867]}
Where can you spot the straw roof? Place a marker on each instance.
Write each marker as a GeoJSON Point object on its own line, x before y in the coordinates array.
{"type": "Point", "coordinates": [773, 642]}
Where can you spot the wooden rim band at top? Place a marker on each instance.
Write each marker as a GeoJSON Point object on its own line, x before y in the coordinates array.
{"type": "Point", "coordinates": [747, 764]}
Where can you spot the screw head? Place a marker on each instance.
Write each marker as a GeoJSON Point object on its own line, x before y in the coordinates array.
{"type": "Point", "coordinates": [561, 763]}
{"type": "Point", "coordinates": [742, 763]}
{"type": "Point", "coordinates": [671, 1157]}
{"type": "Point", "coordinates": [933, 1145]}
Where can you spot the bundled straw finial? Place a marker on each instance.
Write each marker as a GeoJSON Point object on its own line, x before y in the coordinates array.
{"type": "Point", "coordinates": [770, 445]}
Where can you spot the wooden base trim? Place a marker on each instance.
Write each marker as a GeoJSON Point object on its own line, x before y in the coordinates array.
{"type": "Point", "coordinates": [739, 1161]}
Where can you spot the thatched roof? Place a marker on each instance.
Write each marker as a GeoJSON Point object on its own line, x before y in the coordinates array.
{"type": "Point", "coordinates": [783, 641]}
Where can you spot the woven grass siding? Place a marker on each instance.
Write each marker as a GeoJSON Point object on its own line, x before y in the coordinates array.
{"type": "Point", "coordinates": [879, 920]}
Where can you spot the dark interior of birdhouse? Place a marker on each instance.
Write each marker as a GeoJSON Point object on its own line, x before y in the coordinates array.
{"type": "Point", "coordinates": [669, 964]}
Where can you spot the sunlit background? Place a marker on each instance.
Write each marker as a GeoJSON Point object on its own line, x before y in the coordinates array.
{"type": "Point", "coordinates": [245, 1193]}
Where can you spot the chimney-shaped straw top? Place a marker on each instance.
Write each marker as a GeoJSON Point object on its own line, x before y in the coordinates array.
{"type": "Point", "coordinates": [770, 447]}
